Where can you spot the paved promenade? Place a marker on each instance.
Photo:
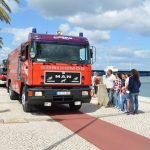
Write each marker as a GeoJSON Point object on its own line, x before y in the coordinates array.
{"type": "Point", "coordinates": [90, 129]}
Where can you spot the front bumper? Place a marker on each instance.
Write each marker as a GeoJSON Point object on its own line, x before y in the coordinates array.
{"type": "Point", "coordinates": [50, 95]}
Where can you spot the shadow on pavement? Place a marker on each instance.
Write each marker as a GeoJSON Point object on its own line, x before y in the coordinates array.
{"type": "Point", "coordinates": [89, 108]}
{"type": "Point", "coordinates": [6, 110]}
{"type": "Point", "coordinates": [3, 86]}
{"type": "Point", "coordinates": [55, 110]}
{"type": "Point", "coordinates": [64, 109]}
{"type": "Point", "coordinates": [141, 112]}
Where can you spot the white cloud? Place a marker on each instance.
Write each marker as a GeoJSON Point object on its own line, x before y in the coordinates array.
{"type": "Point", "coordinates": [127, 53]}
{"type": "Point", "coordinates": [130, 15]}
{"type": "Point", "coordinates": [118, 4]}
{"type": "Point", "coordinates": [93, 36]}
{"type": "Point", "coordinates": [123, 58]}
{"type": "Point", "coordinates": [145, 54]}
{"type": "Point", "coordinates": [57, 8]}
{"type": "Point", "coordinates": [19, 34]}
{"type": "Point", "coordinates": [63, 8]}
{"type": "Point", "coordinates": [134, 19]}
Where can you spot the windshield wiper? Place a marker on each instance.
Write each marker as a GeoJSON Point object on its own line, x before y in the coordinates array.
{"type": "Point", "coordinates": [58, 60]}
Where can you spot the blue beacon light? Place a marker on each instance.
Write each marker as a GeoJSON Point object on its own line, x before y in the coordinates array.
{"type": "Point", "coordinates": [34, 30]}
{"type": "Point", "coordinates": [81, 34]}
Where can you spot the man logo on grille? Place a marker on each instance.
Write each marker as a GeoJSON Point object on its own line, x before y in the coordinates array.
{"type": "Point", "coordinates": [50, 78]}
{"type": "Point", "coordinates": [75, 79]}
{"type": "Point", "coordinates": [63, 81]}
{"type": "Point", "coordinates": [63, 76]}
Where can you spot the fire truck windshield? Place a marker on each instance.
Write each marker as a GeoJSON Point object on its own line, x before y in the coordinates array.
{"type": "Point", "coordinates": [48, 52]}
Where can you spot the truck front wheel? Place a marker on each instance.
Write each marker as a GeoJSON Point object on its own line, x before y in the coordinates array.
{"type": "Point", "coordinates": [74, 107]}
{"type": "Point", "coordinates": [13, 95]}
{"type": "Point", "coordinates": [24, 100]}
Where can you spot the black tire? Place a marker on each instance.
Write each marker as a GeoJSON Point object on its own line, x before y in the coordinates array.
{"type": "Point", "coordinates": [12, 94]}
{"type": "Point", "coordinates": [24, 100]}
{"type": "Point", "coordinates": [74, 107]}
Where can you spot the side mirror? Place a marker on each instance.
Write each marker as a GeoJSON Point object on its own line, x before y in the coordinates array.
{"type": "Point", "coordinates": [22, 52]}
{"type": "Point", "coordinates": [91, 53]}
{"type": "Point", "coordinates": [32, 55]}
{"type": "Point", "coordinates": [23, 56]}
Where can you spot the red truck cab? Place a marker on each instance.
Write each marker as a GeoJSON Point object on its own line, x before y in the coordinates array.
{"type": "Point", "coordinates": [51, 69]}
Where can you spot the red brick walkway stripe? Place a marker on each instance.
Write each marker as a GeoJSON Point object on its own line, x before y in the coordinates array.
{"type": "Point", "coordinates": [103, 135]}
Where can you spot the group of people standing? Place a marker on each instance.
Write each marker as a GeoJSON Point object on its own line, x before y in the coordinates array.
{"type": "Point", "coordinates": [122, 89]}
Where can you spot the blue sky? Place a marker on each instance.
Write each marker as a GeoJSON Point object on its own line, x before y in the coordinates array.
{"type": "Point", "coordinates": [120, 30]}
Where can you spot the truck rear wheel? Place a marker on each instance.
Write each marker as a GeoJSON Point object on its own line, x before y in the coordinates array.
{"type": "Point", "coordinates": [13, 95]}
{"type": "Point", "coordinates": [24, 100]}
{"type": "Point", "coordinates": [74, 107]}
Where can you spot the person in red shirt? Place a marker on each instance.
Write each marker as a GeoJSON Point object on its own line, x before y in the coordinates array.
{"type": "Point", "coordinates": [117, 89]}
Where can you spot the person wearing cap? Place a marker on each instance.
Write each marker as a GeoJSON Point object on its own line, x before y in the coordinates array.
{"type": "Point", "coordinates": [109, 82]}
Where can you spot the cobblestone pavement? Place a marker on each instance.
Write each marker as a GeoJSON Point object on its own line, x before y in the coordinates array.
{"type": "Point", "coordinates": [38, 131]}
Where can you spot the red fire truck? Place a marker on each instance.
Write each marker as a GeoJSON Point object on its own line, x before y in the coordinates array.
{"type": "Point", "coordinates": [51, 69]}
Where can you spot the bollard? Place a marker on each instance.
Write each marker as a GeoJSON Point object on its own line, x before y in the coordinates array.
{"type": "Point", "coordinates": [103, 98]}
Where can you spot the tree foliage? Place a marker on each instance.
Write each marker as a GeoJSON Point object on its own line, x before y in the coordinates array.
{"type": "Point", "coordinates": [4, 14]}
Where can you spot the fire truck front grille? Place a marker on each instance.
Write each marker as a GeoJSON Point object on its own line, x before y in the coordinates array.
{"type": "Point", "coordinates": [62, 78]}
{"type": "Point", "coordinates": [62, 98]}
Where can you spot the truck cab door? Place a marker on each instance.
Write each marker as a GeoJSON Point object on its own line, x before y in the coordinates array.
{"type": "Point", "coordinates": [23, 56]}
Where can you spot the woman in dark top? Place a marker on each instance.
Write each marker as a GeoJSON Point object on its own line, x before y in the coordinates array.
{"type": "Point", "coordinates": [134, 89]}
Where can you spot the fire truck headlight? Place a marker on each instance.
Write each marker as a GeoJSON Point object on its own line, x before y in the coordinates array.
{"type": "Point", "coordinates": [32, 54]}
{"type": "Point", "coordinates": [85, 93]}
{"type": "Point", "coordinates": [38, 94]}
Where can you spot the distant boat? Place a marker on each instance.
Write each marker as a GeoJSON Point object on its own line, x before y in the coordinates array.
{"type": "Point", "coordinates": [112, 68]}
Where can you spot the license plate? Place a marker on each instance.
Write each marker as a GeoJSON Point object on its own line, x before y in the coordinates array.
{"type": "Point", "coordinates": [77, 103]}
{"type": "Point", "coordinates": [63, 93]}
{"type": "Point", "coordinates": [47, 104]}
